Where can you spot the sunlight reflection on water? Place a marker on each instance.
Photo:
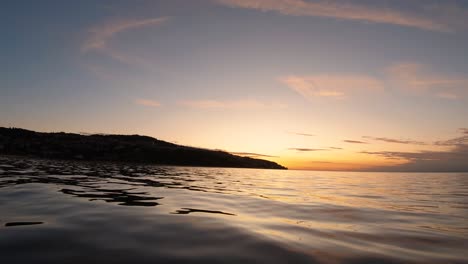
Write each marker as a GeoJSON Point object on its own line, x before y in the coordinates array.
{"type": "Point", "coordinates": [57, 211]}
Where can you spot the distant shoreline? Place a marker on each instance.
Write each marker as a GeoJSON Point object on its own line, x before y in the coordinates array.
{"type": "Point", "coordinates": [17, 142]}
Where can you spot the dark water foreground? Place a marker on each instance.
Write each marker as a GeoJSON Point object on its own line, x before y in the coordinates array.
{"type": "Point", "coordinates": [76, 212]}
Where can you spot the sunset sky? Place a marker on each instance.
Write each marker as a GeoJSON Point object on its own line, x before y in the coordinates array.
{"type": "Point", "coordinates": [329, 85]}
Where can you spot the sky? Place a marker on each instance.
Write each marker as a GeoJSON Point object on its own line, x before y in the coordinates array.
{"type": "Point", "coordinates": [320, 85]}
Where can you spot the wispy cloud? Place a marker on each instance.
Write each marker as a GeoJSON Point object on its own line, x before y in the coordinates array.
{"type": "Point", "coordinates": [355, 141]}
{"type": "Point", "coordinates": [231, 104]}
{"type": "Point", "coordinates": [399, 141]}
{"type": "Point", "coordinates": [99, 38]}
{"type": "Point", "coordinates": [336, 148]}
{"type": "Point", "coordinates": [127, 58]}
{"type": "Point", "coordinates": [147, 102]}
{"type": "Point", "coordinates": [301, 134]}
{"type": "Point", "coordinates": [331, 85]}
{"type": "Point", "coordinates": [308, 149]}
{"type": "Point", "coordinates": [100, 35]}
{"type": "Point", "coordinates": [398, 155]}
{"type": "Point", "coordinates": [453, 159]}
{"type": "Point", "coordinates": [252, 155]}
{"type": "Point", "coordinates": [423, 19]}
{"type": "Point", "coordinates": [462, 140]}
{"type": "Point", "coordinates": [411, 78]}
{"type": "Point", "coordinates": [421, 79]}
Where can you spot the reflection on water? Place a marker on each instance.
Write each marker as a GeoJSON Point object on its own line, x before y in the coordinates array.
{"type": "Point", "coordinates": [123, 197]}
{"type": "Point", "coordinates": [191, 210]}
{"type": "Point", "coordinates": [77, 212]}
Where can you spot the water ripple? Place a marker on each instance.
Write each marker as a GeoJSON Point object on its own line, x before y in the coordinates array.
{"type": "Point", "coordinates": [75, 212]}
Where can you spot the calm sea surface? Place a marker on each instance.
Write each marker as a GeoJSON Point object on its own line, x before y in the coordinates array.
{"type": "Point", "coordinates": [80, 212]}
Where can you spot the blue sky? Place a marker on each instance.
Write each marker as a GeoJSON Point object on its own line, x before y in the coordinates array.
{"type": "Point", "coordinates": [245, 75]}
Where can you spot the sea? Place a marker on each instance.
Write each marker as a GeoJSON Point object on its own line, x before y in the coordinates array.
{"type": "Point", "coordinates": [101, 212]}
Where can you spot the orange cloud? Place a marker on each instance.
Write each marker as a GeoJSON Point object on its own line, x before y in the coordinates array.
{"type": "Point", "coordinates": [344, 10]}
{"type": "Point", "coordinates": [331, 85]}
{"type": "Point", "coordinates": [420, 79]}
{"type": "Point", "coordinates": [230, 104]}
{"type": "Point", "coordinates": [147, 102]}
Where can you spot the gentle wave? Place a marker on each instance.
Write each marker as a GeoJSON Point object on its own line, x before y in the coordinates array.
{"type": "Point", "coordinates": [76, 212]}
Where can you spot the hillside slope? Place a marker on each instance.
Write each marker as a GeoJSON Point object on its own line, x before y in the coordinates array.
{"type": "Point", "coordinates": [128, 148]}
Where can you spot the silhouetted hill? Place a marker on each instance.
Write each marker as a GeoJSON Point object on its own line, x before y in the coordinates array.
{"type": "Point", "coordinates": [128, 148]}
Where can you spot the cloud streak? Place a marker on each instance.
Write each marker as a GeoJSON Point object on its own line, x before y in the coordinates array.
{"type": "Point", "coordinates": [398, 141]}
{"type": "Point", "coordinates": [433, 161]}
{"type": "Point", "coordinates": [409, 77]}
{"type": "Point", "coordinates": [453, 159]}
{"type": "Point", "coordinates": [355, 141]}
{"type": "Point", "coordinates": [308, 149]}
{"type": "Point", "coordinates": [331, 85]}
{"type": "Point", "coordinates": [252, 155]}
{"type": "Point", "coordinates": [347, 11]}
{"type": "Point", "coordinates": [301, 134]}
{"type": "Point", "coordinates": [99, 36]}
{"type": "Point", "coordinates": [462, 140]}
